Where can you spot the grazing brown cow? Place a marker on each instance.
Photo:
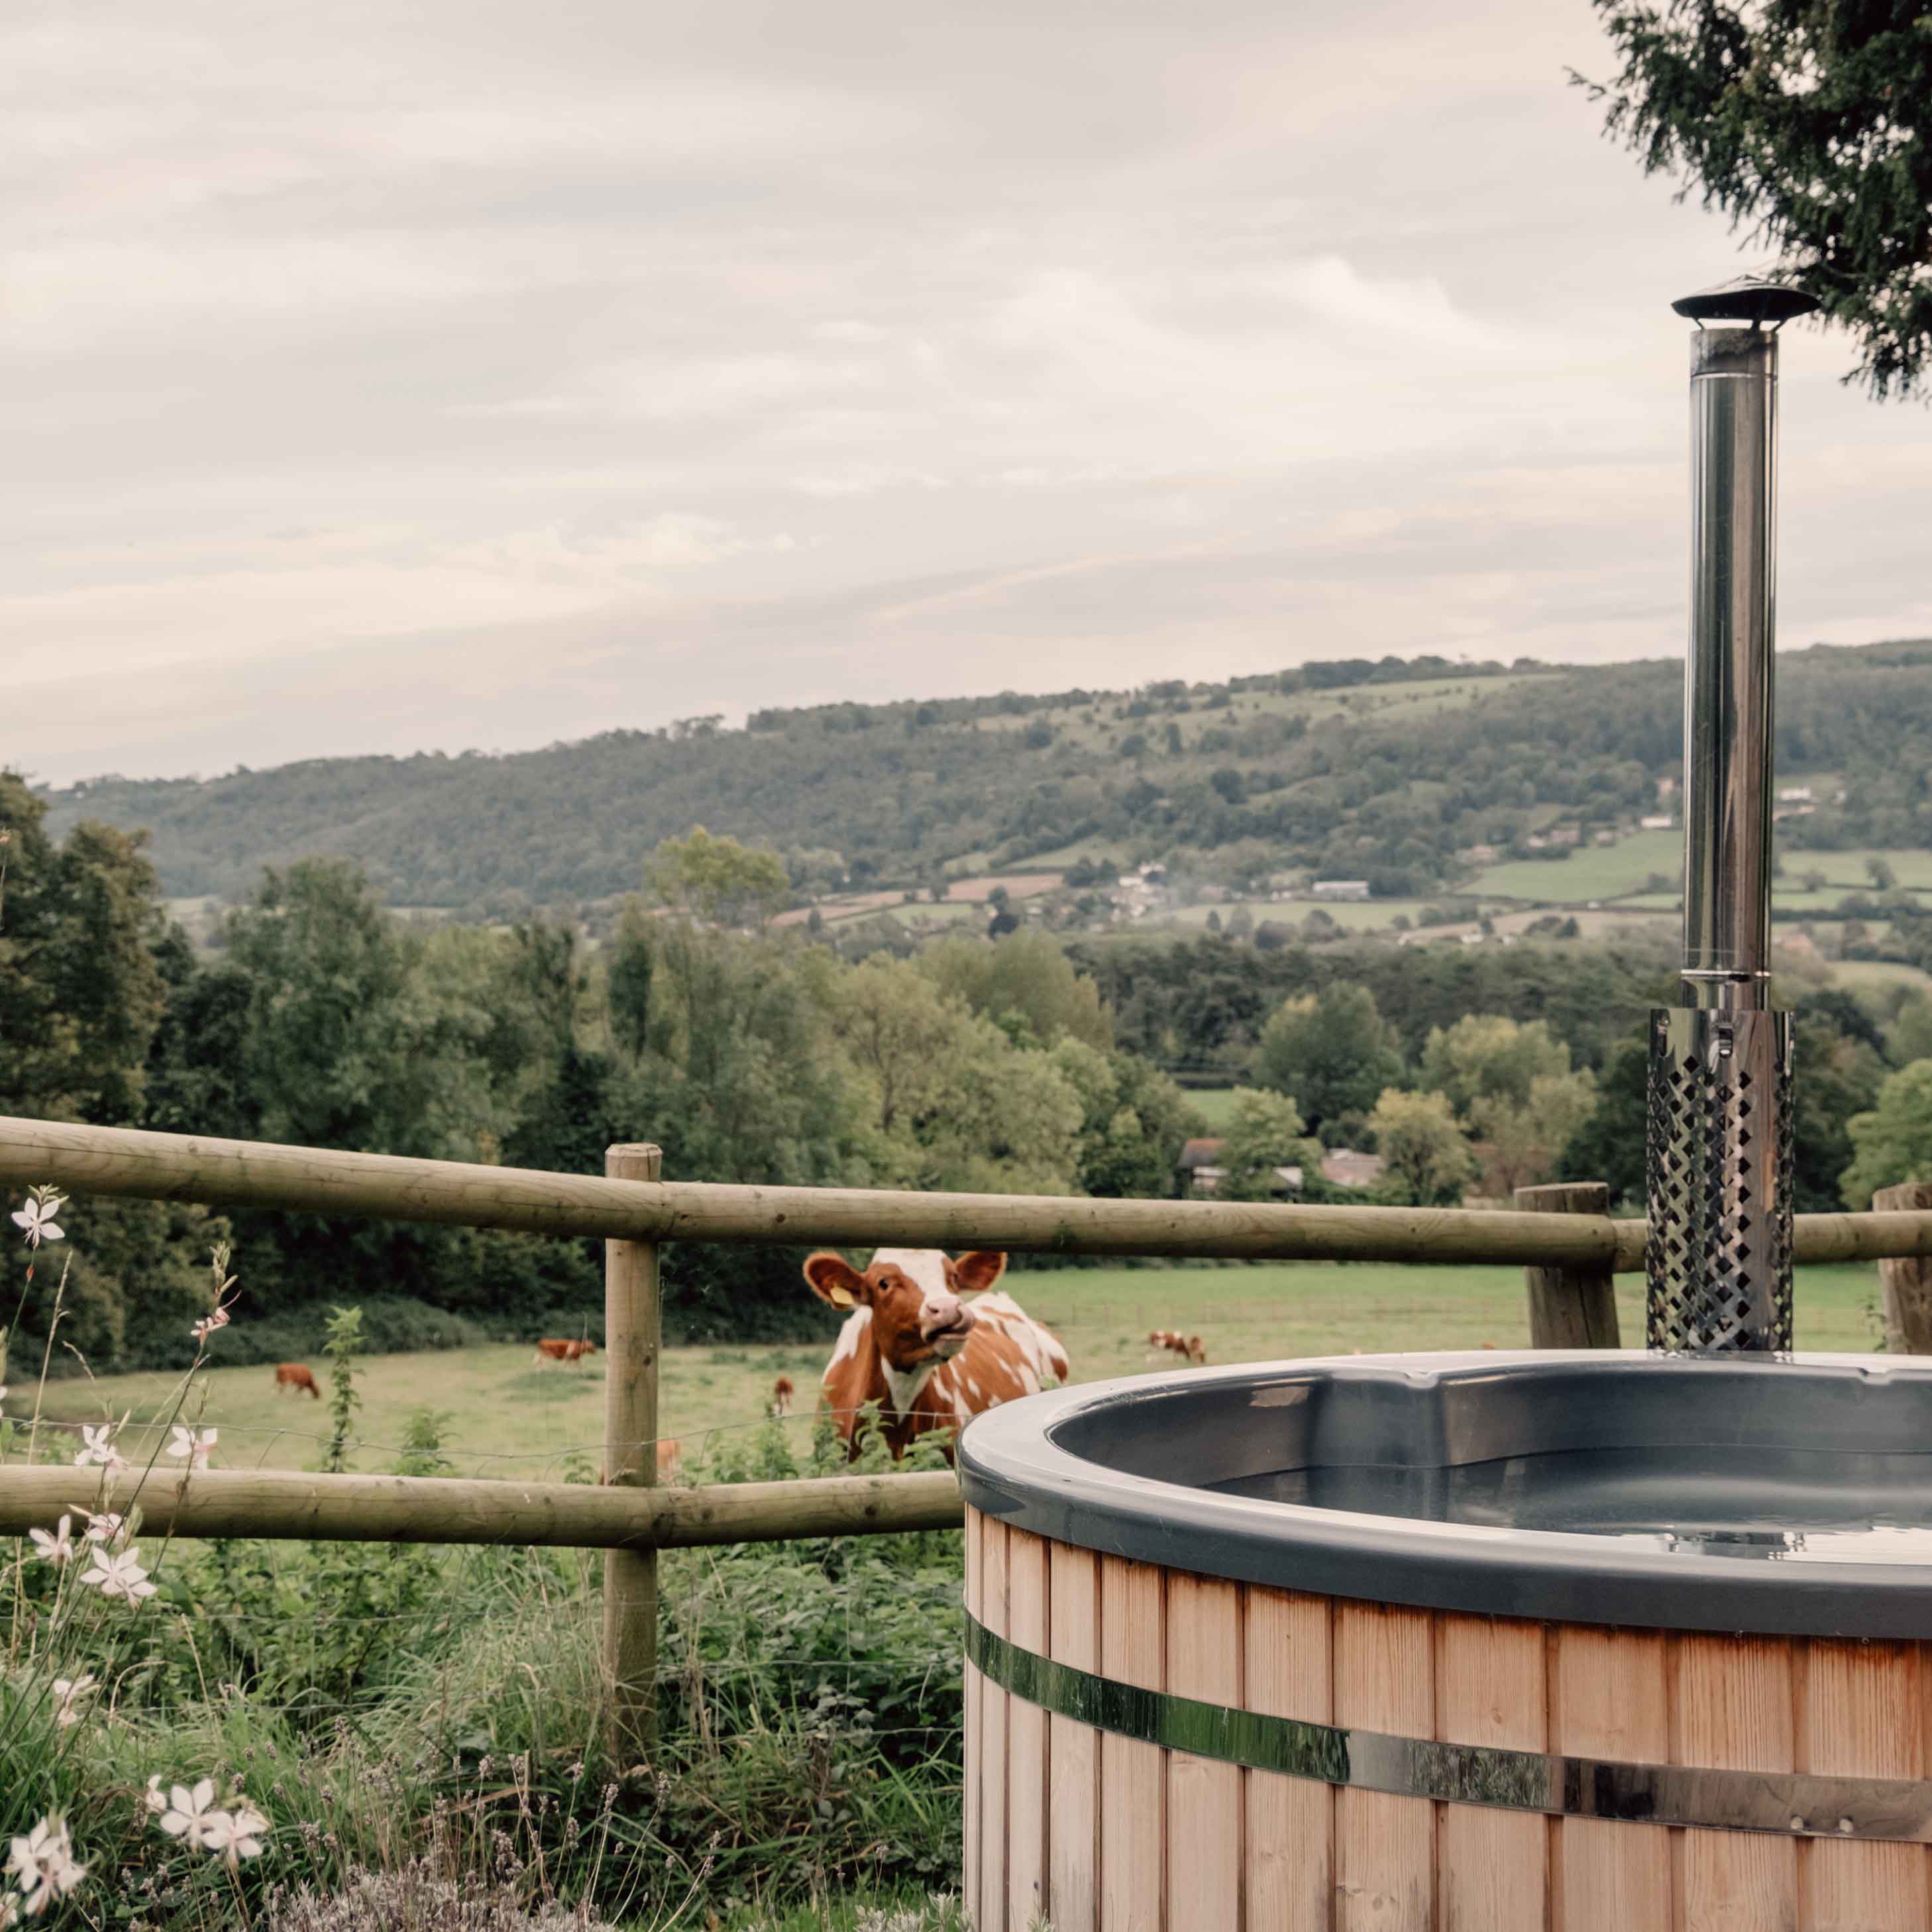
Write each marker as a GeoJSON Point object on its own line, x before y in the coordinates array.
{"type": "Point", "coordinates": [929, 1359]}
{"type": "Point", "coordinates": [551, 1350]}
{"type": "Point", "coordinates": [782, 1393]}
{"type": "Point", "coordinates": [294, 1375]}
{"type": "Point", "coordinates": [1171, 1341]}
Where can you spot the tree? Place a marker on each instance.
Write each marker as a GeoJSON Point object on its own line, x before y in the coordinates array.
{"type": "Point", "coordinates": [892, 1021]}
{"type": "Point", "coordinates": [1609, 1146]}
{"type": "Point", "coordinates": [1880, 872]}
{"type": "Point", "coordinates": [80, 996]}
{"type": "Point", "coordinates": [1265, 1132]}
{"type": "Point", "coordinates": [347, 1044]}
{"type": "Point", "coordinates": [1894, 1142]}
{"type": "Point", "coordinates": [1809, 122]}
{"type": "Point", "coordinates": [1025, 974]}
{"type": "Point", "coordinates": [1910, 1037]}
{"type": "Point", "coordinates": [956, 1103]}
{"type": "Point", "coordinates": [1133, 1121]}
{"type": "Point", "coordinates": [1423, 1148]}
{"type": "Point", "coordinates": [1332, 1052]}
{"type": "Point", "coordinates": [1524, 1139]}
{"type": "Point", "coordinates": [717, 879]}
{"type": "Point", "coordinates": [1839, 1077]}
{"type": "Point", "coordinates": [1487, 1057]}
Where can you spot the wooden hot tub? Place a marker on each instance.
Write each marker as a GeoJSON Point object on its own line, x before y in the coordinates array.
{"type": "Point", "coordinates": [1548, 1642]}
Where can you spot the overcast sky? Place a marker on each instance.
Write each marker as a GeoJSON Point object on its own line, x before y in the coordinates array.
{"type": "Point", "coordinates": [472, 373]}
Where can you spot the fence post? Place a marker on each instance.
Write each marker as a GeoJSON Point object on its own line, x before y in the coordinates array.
{"type": "Point", "coordinates": [1907, 1279]}
{"type": "Point", "coordinates": [1570, 1307]}
{"type": "Point", "coordinates": [632, 1335]}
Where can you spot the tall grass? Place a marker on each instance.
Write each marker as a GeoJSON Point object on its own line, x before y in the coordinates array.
{"type": "Point", "coordinates": [396, 1735]}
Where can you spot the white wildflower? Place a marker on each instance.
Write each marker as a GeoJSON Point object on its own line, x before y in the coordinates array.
{"type": "Point", "coordinates": [37, 1218]}
{"type": "Point", "coordinates": [118, 1575]}
{"type": "Point", "coordinates": [236, 1833]}
{"type": "Point", "coordinates": [156, 1799]}
{"type": "Point", "coordinates": [194, 1447]}
{"type": "Point", "coordinates": [56, 1545]}
{"type": "Point", "coordinates": [43, 1862]}
{"type": "Point", "coordinates": [105, 1526]}
{"type": "Point", "coordinates": [70, 1691]}
{"type": "Point", "coordinates": [99, 1448]}
{"type": "Point", "coordinates": [187, 1814]}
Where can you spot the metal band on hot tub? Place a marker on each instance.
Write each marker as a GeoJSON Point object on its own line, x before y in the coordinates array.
{"type": "Point", "coordinates": [1793, 1804]}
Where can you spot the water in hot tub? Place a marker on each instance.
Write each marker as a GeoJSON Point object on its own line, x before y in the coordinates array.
{"type": "Point", "coordinates": [1773, 1504]}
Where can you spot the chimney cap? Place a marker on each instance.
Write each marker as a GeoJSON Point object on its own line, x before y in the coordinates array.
{"type": "Point", "coordinates": [1755, 299]}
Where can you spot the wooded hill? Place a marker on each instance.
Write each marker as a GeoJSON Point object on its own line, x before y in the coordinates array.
{"type": "Point", "coordinates": [1382, 770]}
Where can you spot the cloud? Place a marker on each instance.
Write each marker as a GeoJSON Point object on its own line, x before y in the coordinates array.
{"type": "Point", "coordinates": [610, 365]}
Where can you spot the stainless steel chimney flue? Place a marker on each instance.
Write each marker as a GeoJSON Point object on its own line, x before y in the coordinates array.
{"type": "Point", "coordinates": [1718, 1164]}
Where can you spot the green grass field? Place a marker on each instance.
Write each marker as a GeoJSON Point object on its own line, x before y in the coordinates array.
{"type": "Point", "coordinates": [1590, 872]}
{"type": "Point", "coordinates": [1846, 870]}
{"type": "Point", "coordinates": [1213, 1104]}
{"type": "Point", "coordinates": [1352, 915]}
{"type": "Point", "coordinates": [1873, 975]}
{"type": "Point", "coordinates": [509, 1419]}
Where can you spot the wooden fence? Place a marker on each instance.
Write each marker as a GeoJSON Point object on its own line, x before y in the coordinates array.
{"type": "Point", "coordinates": [1571, 1254]}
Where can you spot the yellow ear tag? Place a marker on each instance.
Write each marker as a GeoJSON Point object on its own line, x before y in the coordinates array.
{"type": "Point", "coordinates": [842, 1298]}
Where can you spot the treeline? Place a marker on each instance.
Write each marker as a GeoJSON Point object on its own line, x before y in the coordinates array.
{"type": "Point", "coordinates": [862, 795]}
{"type": "Point", "coordinates": [324, 1022]}
{"type": "Point", "coordinates": [1014, 1065]}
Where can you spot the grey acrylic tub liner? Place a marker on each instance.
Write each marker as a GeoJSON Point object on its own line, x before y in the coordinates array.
{"type": "Point", "coordinates": [1733, 1493]}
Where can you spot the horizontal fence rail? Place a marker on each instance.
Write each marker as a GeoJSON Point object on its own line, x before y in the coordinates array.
{"type": "Point", "coordinates": [1571, 1255]}
{"type": "Point", "coordinates": [295, 1506]}
{"type": "Point", "coordinates": [260, 1173]}
{"type": "Point", "coordinates": [257, 1174]}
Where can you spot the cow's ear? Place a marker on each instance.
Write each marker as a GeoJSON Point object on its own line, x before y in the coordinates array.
{"type": "Point", "coordinates": [976, 1272]}
{"type": "Point", "coordinates": [835, 1279]}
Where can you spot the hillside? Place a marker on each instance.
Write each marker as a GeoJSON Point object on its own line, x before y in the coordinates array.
{"type": "Point", "coordinates": [1386, 771]}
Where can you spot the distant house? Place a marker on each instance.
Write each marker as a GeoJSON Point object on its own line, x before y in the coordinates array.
{"type": "Point", "coordinates": [1341, 888]}
{"type": "Point", "coordinates": [1657, 821]}
{"type": "Point", "coordinates": [1343, 1167]}
{"type": "Point", "coordinates": [1199, 1153]}
{"type": "Point", "coordinates": [1566, 835]}
{"type": "Point", "coordinates": [1201, 1171]}
{"type": "Point", "coordinates": [1478, 855]}
{"type": "Point", "coordinates": [1605, 837]}
{"type": "Point", "coordinates": [1795, 795]}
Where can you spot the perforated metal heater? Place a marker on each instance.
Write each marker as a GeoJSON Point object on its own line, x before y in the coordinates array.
{"type": "Point", "coordinates": [1719, 1150]}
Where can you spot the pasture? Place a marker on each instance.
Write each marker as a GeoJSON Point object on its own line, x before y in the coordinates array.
{"type": "Point", "coordinates": [503, 1417]}
{"type": "Point", "coordinates": [1590, 872]}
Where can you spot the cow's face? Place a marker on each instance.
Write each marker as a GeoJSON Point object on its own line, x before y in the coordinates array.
{"type": "Point", "coordinates": [918, 1319]}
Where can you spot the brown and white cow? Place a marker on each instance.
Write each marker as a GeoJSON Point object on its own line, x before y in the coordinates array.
{"type": "Point", "coordinates": [930, 1358]}
{"type": "Point", "coordinates": [1171, 1341]}
{"type": "Point", "coordinates": [552, 1348]}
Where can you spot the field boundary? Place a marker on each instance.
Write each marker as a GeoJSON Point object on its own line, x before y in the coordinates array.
{"type": "Point", "coordinates": [626, 1514]}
